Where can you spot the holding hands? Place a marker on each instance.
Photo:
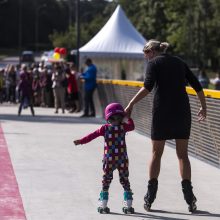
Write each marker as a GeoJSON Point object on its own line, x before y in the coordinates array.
{"type": "Point", "coordinates": [140, 95]}
{"type": "Point", "coordinates": [128, 110]}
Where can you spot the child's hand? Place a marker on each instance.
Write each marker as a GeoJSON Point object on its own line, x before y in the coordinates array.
{"type": "Point", "coordinates": [76, 142]}
{"type": "Point", "coordinates": [125, 119]}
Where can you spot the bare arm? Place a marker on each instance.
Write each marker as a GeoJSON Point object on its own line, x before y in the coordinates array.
{"type": "Point", "coordinates": [202, 110]}
{"type": "Point", "coordinates": [140, 95]}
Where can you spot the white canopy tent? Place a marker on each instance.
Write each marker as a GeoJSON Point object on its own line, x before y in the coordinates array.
{"type": "Point", "coordinates": [116, 47]}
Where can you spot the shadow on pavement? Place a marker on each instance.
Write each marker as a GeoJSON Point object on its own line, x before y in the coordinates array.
{"type": "Point", "coordinates": [196, 213]}
{"type": "Point", "coordinates": [51, 119]}
{"type": "Point", "coordinates": [148, 216]}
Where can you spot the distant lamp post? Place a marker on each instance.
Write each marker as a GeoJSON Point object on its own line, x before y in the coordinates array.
{"type": "Point", "coordinates": [20, 26]}
{"type": "Point", "coordinates": [77, 32]}
{"type": "Point", "coordinates": [37, 11]}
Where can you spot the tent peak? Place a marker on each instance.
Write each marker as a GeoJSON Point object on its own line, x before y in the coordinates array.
{"type": "Point", "coordinates": [117, 36]}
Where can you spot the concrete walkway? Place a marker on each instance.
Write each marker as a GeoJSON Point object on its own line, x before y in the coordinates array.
{"type": "Point", "coordinates": [58, 180]}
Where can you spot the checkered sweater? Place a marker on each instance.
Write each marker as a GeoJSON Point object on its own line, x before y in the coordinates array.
{"type": "Point", "coordinates": [114, 137]}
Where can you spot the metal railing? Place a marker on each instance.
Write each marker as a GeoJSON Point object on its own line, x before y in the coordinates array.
{"type": "Point", "coordinates": [204, 141]}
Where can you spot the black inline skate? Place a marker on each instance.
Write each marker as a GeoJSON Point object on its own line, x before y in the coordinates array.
{"type": "Point", "coordinates": [103, 200]}
{"type": "Point", "coordinates": [151, 193]}
{"type": "Point", "coordinates": [188, 195]}
{"type": "Point", "coordinates": [128, 209]}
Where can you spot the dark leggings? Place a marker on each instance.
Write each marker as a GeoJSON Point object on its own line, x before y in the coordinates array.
{"type": "Point", "coordinates": [30, 104]}
{"type": "Point", "coordinates": [89, 104]}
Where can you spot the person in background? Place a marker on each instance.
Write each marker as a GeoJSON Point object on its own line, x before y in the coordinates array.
{"type": "Point", "coordinates": [1, 84]}
{"type": "Point", "coordinates": [58, 78]}
{"type": "Point", "coordinates": [25, 92]}
{"type": "Point", "coordinates": [49, 90]}
{"type": "Point", "coordinates": [43, 83]}
{"type": "Point", "coordinates": [72, 91]}
{"type": "Point", "coordinates": [36, 86]}
{"type": "Point", "coordinates": [18, 71]}
{"type": "Point", "coordinates": [12, 88]}
{"type": "Point", "coordinates": [171, 114]}
{"type": "Point", "coordinates": [216, 81]}
{"type": "Point", "coordinates": [89, 87]}
{"type": "Point", "coordinates": [203, 79]}
{"type": "Point", "coordinates": [76, 93]}
{"type": "Point", "coordinates": [79, 84]}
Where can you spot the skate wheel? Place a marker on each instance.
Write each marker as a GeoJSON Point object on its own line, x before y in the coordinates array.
{"type": "Point", "coordinates": [132, 210]}
{"type": "Point", "coordinates": [125, 210]}
{"type": "Point", "coordinates": [128, 210]}
{"type": "Point", "coordinates": [192, 208]}
{"type": "Point", "coordinates": [147, 207]}
{"type": "Point", "coordinates": [107, 210]}
{"type": "Point", "coordinates": [100, 210]}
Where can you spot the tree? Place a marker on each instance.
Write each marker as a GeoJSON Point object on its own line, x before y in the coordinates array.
{"type": "Point", "coordinates": [191, 27]}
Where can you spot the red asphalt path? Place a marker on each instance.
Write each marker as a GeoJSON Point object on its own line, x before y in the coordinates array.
{"type": "Point", "coordinates": [11, 206]}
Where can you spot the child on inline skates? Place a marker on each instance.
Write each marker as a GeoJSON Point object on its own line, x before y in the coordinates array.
{"type": "Point", "coordinates": [115, 154]}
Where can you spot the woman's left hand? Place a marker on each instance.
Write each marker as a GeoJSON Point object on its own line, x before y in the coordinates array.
{"type": "Point", "coordinates": [202, 114]}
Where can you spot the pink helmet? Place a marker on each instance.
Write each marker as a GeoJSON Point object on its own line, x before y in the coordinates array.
{"type": "Point", "coordinates": [113, 109]}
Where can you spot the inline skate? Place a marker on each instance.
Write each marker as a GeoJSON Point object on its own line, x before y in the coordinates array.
{"type": "Point", "coordinates": [151, 193]}
{"type": "Point", "coordinates": [188, 195]}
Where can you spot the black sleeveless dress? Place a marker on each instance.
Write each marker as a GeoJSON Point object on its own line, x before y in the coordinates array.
{"type": "Point", "coordinates": [171, 114]}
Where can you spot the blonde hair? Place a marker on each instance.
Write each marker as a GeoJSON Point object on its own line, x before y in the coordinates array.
{"type": "Point", "coordinates": [156, 45]}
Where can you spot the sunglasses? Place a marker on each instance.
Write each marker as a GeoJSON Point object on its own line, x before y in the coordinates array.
{"type": "Point", "coordinates": [116, 118]}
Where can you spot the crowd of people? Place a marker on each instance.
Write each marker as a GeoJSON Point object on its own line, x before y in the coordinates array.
{"type": "Point", "coordinates": [58, 85]}
{"type": "Point", "coordinates": [55, 85]}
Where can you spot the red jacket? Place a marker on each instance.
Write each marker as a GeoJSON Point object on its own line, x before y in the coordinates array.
{"type": "Point", "coordinates": [72, 84]}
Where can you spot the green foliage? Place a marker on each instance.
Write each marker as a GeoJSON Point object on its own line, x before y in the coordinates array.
{"type": "Point", "coordinates": [60, 39]}
{"type": "Point", "coordinates": [191, 27]}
